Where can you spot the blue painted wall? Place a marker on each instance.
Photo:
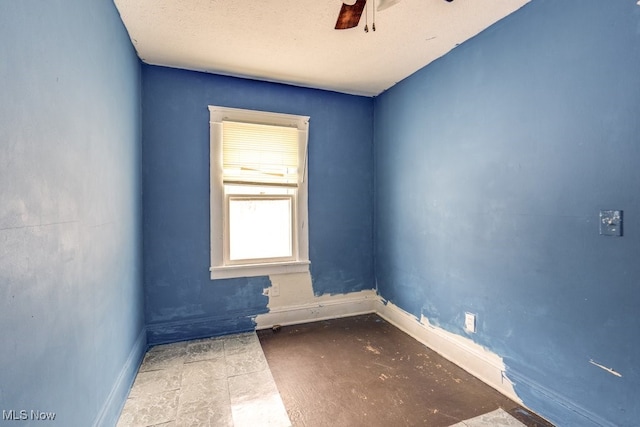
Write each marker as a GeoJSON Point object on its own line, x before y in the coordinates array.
{"type": "Point", "coordinates": [181, 300]}
{"type": "Point", "coordinates": [71, 302]}
{"type": "Point", "coordinates": [492, 164]}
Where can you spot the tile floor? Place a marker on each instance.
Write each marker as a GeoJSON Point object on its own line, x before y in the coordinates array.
{"type": "Point", "coordinates": [497, 418]}
{"type": "Point", "coordinates": [221, 382]}
{"type": "Point", "coordinates": [211, 382]}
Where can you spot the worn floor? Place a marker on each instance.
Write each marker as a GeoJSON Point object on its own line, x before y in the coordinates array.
{"type": "Point", "coordinates": [358, 371]}
{"type": "Point", "coordinates": [363, 371]}
{"type": "Point", "coordinates": [212, 382]}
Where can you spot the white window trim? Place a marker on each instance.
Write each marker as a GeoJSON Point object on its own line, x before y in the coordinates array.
{"type": "Point", "coordinates": [219, 269]}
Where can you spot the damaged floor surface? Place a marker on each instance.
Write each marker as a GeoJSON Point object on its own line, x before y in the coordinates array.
{"type": "Point", "coordinates": [358, 371]}
{"type": "Point", "coordinates": [205, 383]}
{"type": "Point", "coordinates": [363, 371]}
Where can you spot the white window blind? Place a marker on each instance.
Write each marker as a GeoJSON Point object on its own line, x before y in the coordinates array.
{"type": "Point", "coordinates": [258, 154]}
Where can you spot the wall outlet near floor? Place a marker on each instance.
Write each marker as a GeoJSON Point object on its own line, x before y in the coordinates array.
{"type": "Point", "coordinates": [470, 322]}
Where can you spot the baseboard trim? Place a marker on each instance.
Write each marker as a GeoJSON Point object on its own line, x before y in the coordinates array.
{"type": "Point", "coordinates": [338, 306]}
{"type": "Point", "coordinates": [110, 411]}
{"type": "Point", "coordinates": [560, 402]}
{"type": "Point", "coordinates": [465, 353]}
{"type": "Point", "coordinates": [204, 327]}
{"type": "Point", "coordinates": [473, 358]}
{"type": "Point", "coordinates": [483, 364]}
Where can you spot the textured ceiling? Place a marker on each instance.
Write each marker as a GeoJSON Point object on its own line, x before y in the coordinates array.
{"type": "Point", "coordinates": [293, 41]}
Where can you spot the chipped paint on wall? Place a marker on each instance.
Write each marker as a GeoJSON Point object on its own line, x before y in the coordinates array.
{"type": "Point", "coordinates": [480, 361]}
{"type": "Point", "coordinates": [492, 165]}
{"type": "Point", "coordinates": [181, 301]}
{"type": "Point", "coordinates": [292, 300]}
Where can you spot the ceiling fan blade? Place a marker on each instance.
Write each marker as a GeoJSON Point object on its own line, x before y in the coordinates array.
{"type": "Point", "coordinates": [350, 15]}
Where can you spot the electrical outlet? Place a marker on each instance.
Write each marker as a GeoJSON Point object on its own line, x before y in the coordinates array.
{"type": "Point", "coordinates": [470, 322]}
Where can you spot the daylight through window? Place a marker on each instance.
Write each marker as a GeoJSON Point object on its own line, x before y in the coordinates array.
{"type": "Point", "coordinates": [258, 193]}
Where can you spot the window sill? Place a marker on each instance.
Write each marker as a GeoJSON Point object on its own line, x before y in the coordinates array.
{"type": "Point", "coordinates": [253, 270]}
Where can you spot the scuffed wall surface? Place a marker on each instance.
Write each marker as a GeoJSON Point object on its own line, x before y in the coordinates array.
{"type": "Point", "coordinates": [181, 300]}
{"type": "Point", "coordinates": [492, 165]}
{"type": "Point", "coordinates": [71, 300]}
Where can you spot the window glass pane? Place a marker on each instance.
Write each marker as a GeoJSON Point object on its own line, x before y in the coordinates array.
{"type": "Point", "coordinates": [260, 228]}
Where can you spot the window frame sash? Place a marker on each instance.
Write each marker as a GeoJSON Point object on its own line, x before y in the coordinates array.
{"type": "Point", "coordinates": [300, 264]}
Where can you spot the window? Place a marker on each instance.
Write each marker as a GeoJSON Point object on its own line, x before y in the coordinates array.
{"type": "Point", "coordinates": [258, 193]}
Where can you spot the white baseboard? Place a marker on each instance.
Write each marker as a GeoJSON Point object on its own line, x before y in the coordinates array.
{"type": "Point", "coordinates": [334, 307]}
{"type": "Point", "coordinates": [473, 358]}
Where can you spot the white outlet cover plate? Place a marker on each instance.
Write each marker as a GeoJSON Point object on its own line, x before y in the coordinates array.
{"type": "Point", "coordinates": [470, 322]}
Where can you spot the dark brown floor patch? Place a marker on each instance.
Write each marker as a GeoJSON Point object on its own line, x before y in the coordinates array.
{"type": "Point", "coordinates": [363, 371]}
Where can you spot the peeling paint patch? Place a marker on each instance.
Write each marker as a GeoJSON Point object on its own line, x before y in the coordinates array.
{"type": "Point", "coordinates": [294, 302]}
{"type": "Point", "coordinates": [464, 352]}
